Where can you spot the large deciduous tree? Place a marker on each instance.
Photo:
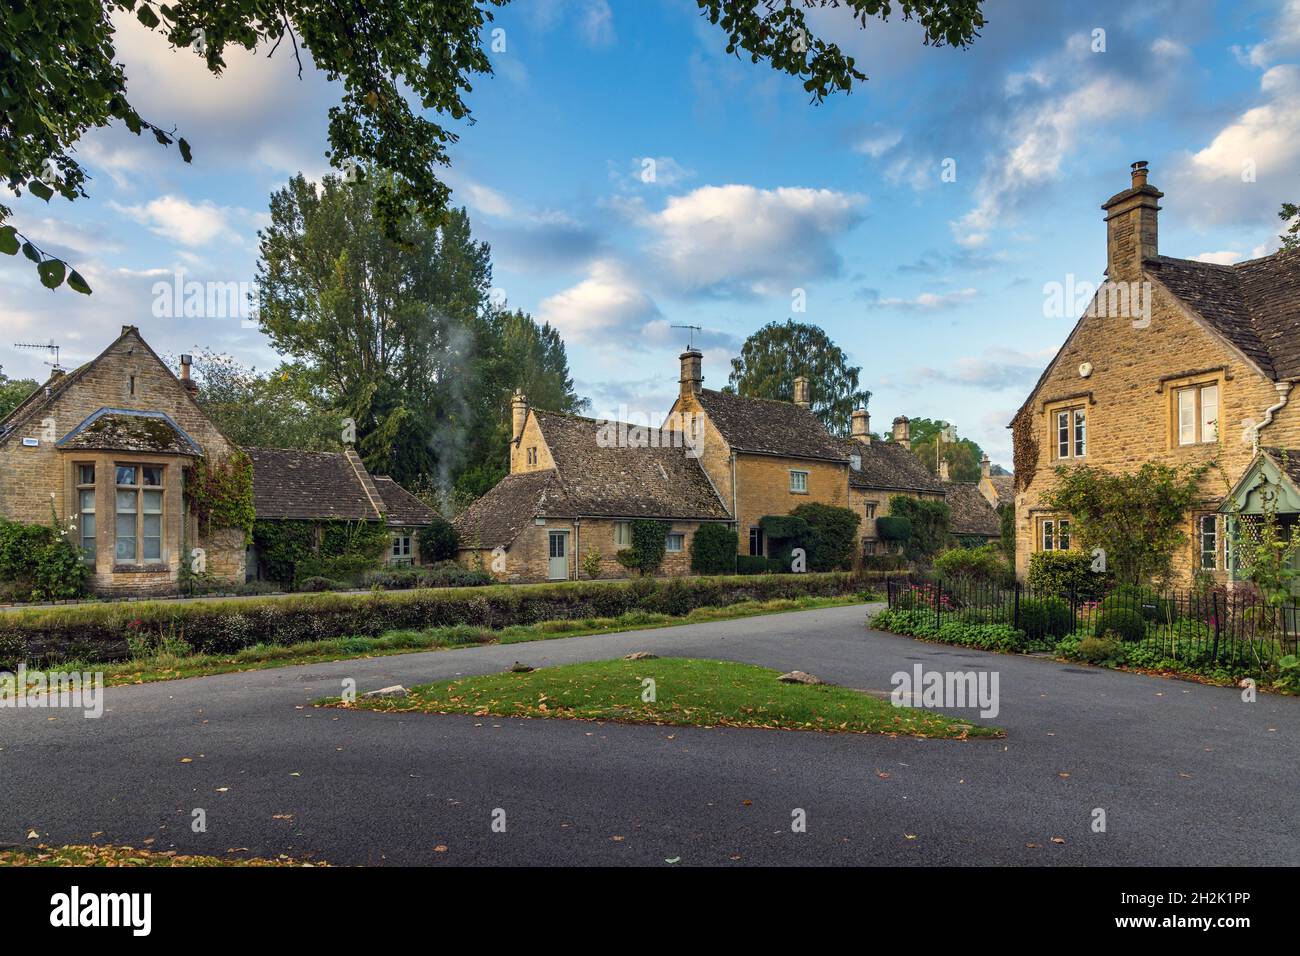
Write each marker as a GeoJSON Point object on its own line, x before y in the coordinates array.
{"type": "Point", "coordinates": [774, 356]}
{"type": "Point", "coordinates": [13, 391]}
{"type": "Point", "coordinates": [405, 66]}
{"type": "Point", "coordinates": [963, 455]}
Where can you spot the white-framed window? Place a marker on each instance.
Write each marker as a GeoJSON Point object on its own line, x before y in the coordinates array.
{"type": "Point", "coordinates": [1198, 414]}
{"type": "Point", "coordinates": [871, 510]}
{"type": "Point", "coordinates": [86, 510]}
{"type": "Point", "coordinates": [756, 541]}
{"type": "Point", "coordinates": [623, 534]}
{"type": "Point", "coordinates": [532, 456]}
{"type": "Point", "coordinates": [1207, 541]}
{"type": "Point", "coordinates": [799, 482]}
{"type": "Point", "coordinates": [1054, 534]}
{"type": "Point", "coordinates": [138, 513]}
{"type": "Point", "coordinates": [1071, 433]}
{"type": "Point", "coordinates": [675, 542]}
{"type": "Point", "coordinates": [401, 546]}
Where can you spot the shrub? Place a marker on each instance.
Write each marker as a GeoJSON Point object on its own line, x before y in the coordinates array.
{"type": "Point", "coordinates": [98, 632]}
{"type": "Point", "coordinates": [591, 563]}
{"type": "Point", "coordinates": [40, 562]}
{"type": "Point", "coordinates": [1123, 622]}
{"type": "Point", "coordinates": [929, 519]}
{"type": "Point", "coordinates": [319, 583]}
{"type": "Point", "coordinates": [438, 541]}
{"type": "Point", "coordinates": [1105, 651]}
{"type": "Point", "coordinates": [1288, 673]}
{"type": "Point", "coordinates": [832, 535]}
{"type": "Point", "coordinates": [982, 565]}
{"type": "Point", "coordinates": [758, 564]}
{"type": "Point", "coordinates": [649, 539]}
{"type": "Point", "coordinates": [894, 528]}
{"type": "Point", "coordinates": [1046, 617]}
{"type": "Point", "coordinates": [713, 549]}
{"type": "Point", "coordinates": [1064, 572]}
{"type": "Point", "coordinates": [882, 562]}
{"type": "Point", "coordinates": [1145, 601]}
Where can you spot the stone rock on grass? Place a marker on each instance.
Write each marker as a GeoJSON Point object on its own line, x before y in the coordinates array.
{"type": "Point", "coordinates": [518, 668]}
{"type": "Point", "coordinates": [641, 656]}
{"type": "Point", "coordinates": [397, 690]}
{"type": "Point", "coordinates": [799, 677]}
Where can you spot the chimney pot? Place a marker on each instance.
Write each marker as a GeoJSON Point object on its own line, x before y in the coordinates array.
{"type": "Point", "coordinates": [903, 431]}
{"type": "Point", "coordinates": [801, 392]}
{"type": "Point", "coordinates": [985, 469]}
{"type": "Point", "coordinates": [1131, 226]}
{"type": "Point", "coordinates": [518, 418]}
{"type": "Point", "coordinates": [692, 379]}
{"type": "Point", "coordinates": [1139, 173]}
{"type": "Point", "coordinates": [190, 385]}
{"type": "Point", "coordinates": [862, 425]}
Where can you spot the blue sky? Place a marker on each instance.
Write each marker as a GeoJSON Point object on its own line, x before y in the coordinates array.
{"type": "Point", "coordinates": [933, 286]}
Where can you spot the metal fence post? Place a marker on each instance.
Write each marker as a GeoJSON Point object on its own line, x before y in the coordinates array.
{"type": "Point", "coordinates": [1015, 617]}
{"type": "Point", "coordinates": [1218, 624]}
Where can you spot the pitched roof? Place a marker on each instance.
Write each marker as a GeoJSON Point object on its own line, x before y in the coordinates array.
{"type": "Point", "coordinates": [1255, 305]}
{"type": "Point", "coordinates": [887, 466]}
{"type": "Point", "coordinates": [1004, 486]}
{"type": "Point", "coordinates": [496, 519]}
{"type": "Point", "coordinates": [1287, 461]}
{"type": "Point", "coordinates": [308, 485]}
{"type": "Point", "coordinates": [402, 507]}
{"type": "Point", "coordinates": [124, 429]}
{"type": "Point", "coordinates": [971, 511]}
{"type": "Point", "coordinates": [617, 481]}
{"type": "Point", "coordinates": [768, 427]}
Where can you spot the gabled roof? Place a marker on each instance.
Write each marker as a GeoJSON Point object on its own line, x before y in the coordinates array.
{"type": "Point", "coordinates": [495, 520]}
{"type": "Point", "coordinates": [309, 485]}
{"type": "Point", "coordinates": [768, 427]}
{"type": "Point", "coordinates": [971, 511]}
{"type": "Point", "coordinates": [887, 466]}
{"type": "Point", "coordinates": [1255, 305]}
{"type": "Point", "coordinates": [125, 429]}
{"type": "Point", "coordinates": [402, 507]}
{"type": "Point", "coordinates": [1004, 486]}
{"type": "Point", "coordinates": [654, 481]}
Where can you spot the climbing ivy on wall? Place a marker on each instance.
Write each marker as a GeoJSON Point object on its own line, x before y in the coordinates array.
{"type": "Point", "coordinates": [221, 494]}
{"type": "Point", "coordinates": [1025, 449]}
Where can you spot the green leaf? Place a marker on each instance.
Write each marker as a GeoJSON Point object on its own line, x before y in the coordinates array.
{"type": "Point", "coordinates": [9, 240]}
{"type": "Point", "coordinates": [77, 283]}
{"type": "Point", "coordinates": [146, 16]}
{"type": "Point", "coordinates": [39, 188]}
{"type": "Point", "coordinates": [51, 272]}
{"type": "Point", "coordinates": [30, 252]}
{"type": "Point", "coordinates": [185, 150]}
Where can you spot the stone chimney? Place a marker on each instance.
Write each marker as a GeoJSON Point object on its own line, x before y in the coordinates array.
{"type": "Point", "coordinates": [518, 418]}
{"type": "Point", "coordinates": [802, 391]}
{"type": "Point", "coordinates": [903, 431]}
{"type": "Point", "coordinates": [1131, 234]}
{"type": "Point", "coordinates": [985, 468]}
{"type": "Point", "coordinates": [862, 425]}
{"type": "Point", "coordinates": [943, 470]}
{"type": "Point", "coordinates": [190, 385]}
{"type": "Point", "coordinates": [692, 371]}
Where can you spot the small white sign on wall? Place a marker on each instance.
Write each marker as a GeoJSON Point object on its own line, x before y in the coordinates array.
{"type": "Point", "coordinates": [31, 442]}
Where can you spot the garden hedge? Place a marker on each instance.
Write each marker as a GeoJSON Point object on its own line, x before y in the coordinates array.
{"type": "Point", "coordinates": [99, 632]}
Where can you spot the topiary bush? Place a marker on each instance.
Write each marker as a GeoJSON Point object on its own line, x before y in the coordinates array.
{"type": "Point", "coordinates": [893, 528]}
{"type": "Point", "coordinates": [1045, 617]}
{"type": "Point", "coordinates": [713, 549]}
{"type": "Point", "coordinates": [832, 538]}
{"type": "Point", "coordinates": [1123, 622]}
{"type": "Point", "coordinates": [1064, 572]}
{"type": "Point", "coordinates": [1103, 651]}
{"type": "Point", "coordinates": [983, 565]}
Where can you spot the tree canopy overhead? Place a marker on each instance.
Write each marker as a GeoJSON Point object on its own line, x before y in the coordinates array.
{"type": "Point", "coordinates": [405, 68]}
{"type": "Point", "coordinates": [774, 356]}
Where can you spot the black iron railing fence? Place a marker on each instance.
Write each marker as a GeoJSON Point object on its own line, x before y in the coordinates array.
{"type": "Point", "coordinates": [1214, 625]}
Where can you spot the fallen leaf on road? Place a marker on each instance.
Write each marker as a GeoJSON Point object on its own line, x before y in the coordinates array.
{"type": "Point", "coordinates": [1063, 775]}
{"type": "Point", "coordinates": [187, 760]}
{"type": "Point", "coordinates": [746, 803]}
{"type": "Point", "coordinates": [440, 848]}
{"type": "Point", "coordinates": [910, 836]}
{"type": "Point", "coordinates": [673, 859]}
{"type": "Point", "coordinates": [1058, 839]}
{"type": "Point", "coordinates": [1033, 846]}
{"type": "Point", "coordinates": [33, 835]}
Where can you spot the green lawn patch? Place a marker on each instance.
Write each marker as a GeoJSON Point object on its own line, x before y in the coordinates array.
{"type": "Point", "coordinates": [686, 692]}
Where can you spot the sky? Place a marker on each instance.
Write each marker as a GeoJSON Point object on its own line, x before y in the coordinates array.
{"type": "Point", "coordinates": [631, 176]}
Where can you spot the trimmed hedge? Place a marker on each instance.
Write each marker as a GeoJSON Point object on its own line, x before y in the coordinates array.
{"type": "Point", "coordinates": [99, 632]}
{"type": "Point", "coordinates": [1124, 622]}
{"type": "Point", "coordinates": [713, 550]}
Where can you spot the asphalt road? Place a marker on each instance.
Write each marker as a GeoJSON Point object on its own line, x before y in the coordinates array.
{"type": "Point", "coordinates": [1186, 774]}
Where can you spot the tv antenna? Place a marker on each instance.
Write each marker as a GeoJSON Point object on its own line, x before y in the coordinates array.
{"type": "Point", "coordinates": [690, 339]}
{"type": "Point", "coordinates": [45, 346]}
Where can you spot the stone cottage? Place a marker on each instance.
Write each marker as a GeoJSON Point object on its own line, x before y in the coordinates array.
{"type": "Point", "coordinates": [1174, 361]}
{"type": "Point", "coordinates": [106, 448]}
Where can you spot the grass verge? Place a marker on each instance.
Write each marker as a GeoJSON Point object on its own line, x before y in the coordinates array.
{"type": "Point", "coordinates": [685, 692]}
{"type": "Point", "coordinates": [173, 663]}
{"type": "Point", "coordinates": [87, 855]}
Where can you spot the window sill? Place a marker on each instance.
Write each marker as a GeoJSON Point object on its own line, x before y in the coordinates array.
{"type": "Point", "coordinates": [158, 568]}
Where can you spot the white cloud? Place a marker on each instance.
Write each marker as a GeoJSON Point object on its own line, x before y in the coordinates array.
{"type": "Point", "coordinates": [1285, 38]}
{"type": "Point", "coordinates": [178, 219]}
{"type": "Point", "coordinates": [1224, 257]}
{"type": "Point", "coordinates": [877, 143]}
{"type": "Point", "coordinates": [1247, 170]}
{"type": "Point", "coordinates": [661, 171]}
{"type": "Point", "coordinates": [744, 240]}
{"type": "Point", "coordinates": [996, 369]}
{"type": "Point", "coordinates": [597, 23]}
{"type": "Point", "coordinates": [601, 308]}
{"type": "Point", "coordinates": [925, 302]}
